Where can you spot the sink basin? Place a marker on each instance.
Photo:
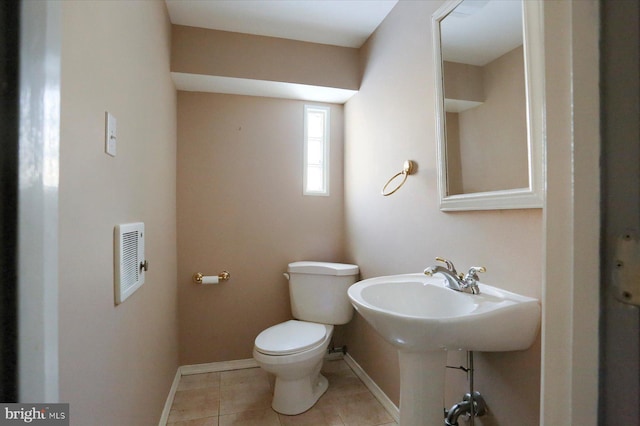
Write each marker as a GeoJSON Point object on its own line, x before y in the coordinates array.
{"type": "Point", "coordinates": [415, 312]}
{"type": "Point", "coordinates": [423, 318]}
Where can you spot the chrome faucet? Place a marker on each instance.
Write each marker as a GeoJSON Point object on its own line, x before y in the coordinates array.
{"type": "Point", "coordinates": [466, 283]}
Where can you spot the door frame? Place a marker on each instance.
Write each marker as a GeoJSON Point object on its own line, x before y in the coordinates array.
{"type": "Point", "coordinates": [40, 41]}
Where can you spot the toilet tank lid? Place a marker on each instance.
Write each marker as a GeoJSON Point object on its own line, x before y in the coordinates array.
{"type": "Point", "coordinates": [323, 268]}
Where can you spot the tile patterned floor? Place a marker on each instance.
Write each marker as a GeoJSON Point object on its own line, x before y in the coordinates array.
{"type": "Point", "coordinates": [243, 398]}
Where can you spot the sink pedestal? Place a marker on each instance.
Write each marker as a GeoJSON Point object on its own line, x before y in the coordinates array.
{"type": "Point", "coordinates": [422, 387]}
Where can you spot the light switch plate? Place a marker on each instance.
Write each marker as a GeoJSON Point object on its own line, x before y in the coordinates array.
{"type": "Point", "coordinates": [110, 134]}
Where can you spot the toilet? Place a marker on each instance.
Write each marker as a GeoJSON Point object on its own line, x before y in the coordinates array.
{"type": "Point", "coordinates": [293, 351]}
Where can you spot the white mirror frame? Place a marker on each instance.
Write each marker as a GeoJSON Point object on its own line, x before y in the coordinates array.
{"type": "Point", "coordinates": [520, 198]}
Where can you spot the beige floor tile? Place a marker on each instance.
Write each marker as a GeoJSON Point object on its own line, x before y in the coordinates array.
{"type": "Point", "coordinates": [335, 365]}
{"type": "Point", "coordinates": [203, 398]}
{"type": "Point", "coordinates": [195, 400]}
{"type": "Point", "coordinates": [342, 381]}
{"type": "Point", "coordinates": [195, 413]}
{"type": "Point", "coordinates": [244, 390]}
{"type": "Point", "coordinates": [238, 398]}
{"type": "Point", "coordinates": [363, 409]}
{"type": "Point", "coordinates": [316, 416]}
{"type": "Point", "coordinates": [208, 421]}
{"type": "Point", "coordinates": [247, 376]}
{"type": "Point", "coordinates": [266, 417]}
{"type": "Point", "coordinates": [333, 400]}
{"type": "Point", "coordinates": [243, 398]}
{"type": "Point", "coordinates": [198, 381]}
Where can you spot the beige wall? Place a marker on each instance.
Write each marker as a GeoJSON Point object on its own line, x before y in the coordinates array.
{"type": "Point", "coordinates": [228, 54]}
{"type": "Point", "coordinates": [493, 136]}
{"type": "Point", "coordinates": [116, 362]}
{"type": "Point", "coordinates": [241, 208]}
{"type": "Point", "coordinates": [463, 81]}
{"type": "Point", "coordinates": [390, 120]}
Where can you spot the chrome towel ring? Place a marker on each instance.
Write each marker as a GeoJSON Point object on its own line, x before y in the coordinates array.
{"type": "Point", "coordinates": [408, 169]}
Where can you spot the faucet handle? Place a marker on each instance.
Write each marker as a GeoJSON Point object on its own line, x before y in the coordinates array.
{"type": "Point", "coordinates": [471, 279]}
{"type": "Point", "coordinates": [449, 264]}
{"type": "Point", "coordinates": [473, 271]}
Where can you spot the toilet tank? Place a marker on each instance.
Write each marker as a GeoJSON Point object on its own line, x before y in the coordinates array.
{"type": "Point", "coordinates": [318, 291]}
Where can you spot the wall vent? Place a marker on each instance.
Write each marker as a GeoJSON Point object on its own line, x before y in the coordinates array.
{"type": "Point", "coordinates": [129, 261]}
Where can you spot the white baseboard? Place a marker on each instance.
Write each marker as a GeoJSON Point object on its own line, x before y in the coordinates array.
{"type": "Point", "coordinates": [213, 367]}
{"type": "Point", "coordinates": [169, 402]}
{"type": "Point", "coordinates": [388, 405]}
{"type": "Point", "coordinates": [240, 364]}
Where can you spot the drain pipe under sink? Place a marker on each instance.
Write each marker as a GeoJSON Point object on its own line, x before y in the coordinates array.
{"type": "Point", "coordinates": [473, 406]}
{"type": "Point", "coordinates": [472, 403]}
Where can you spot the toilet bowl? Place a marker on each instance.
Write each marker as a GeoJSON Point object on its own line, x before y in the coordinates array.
{"type": "Point", "coordinates": [293, 351]}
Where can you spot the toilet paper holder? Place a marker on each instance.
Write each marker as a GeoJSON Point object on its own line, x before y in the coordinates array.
{"type": "Point", "coordinates": [199, 278]}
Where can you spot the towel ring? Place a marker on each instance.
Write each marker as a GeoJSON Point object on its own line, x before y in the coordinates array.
{"type": "Point", "coordinates": [408, 169]}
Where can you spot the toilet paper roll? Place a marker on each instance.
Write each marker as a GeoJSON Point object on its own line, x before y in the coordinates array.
{"type": "Point", "coordinates": [210, 279]}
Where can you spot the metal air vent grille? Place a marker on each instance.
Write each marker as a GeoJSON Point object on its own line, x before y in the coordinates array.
{"type": "Point", "coordinates": [128, 257]}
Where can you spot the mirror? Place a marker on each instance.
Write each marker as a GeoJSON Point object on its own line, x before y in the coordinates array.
{"type": "Point", "coordinates": [489, 69]}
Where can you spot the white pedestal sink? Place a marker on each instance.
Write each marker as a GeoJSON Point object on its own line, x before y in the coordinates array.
{"type": "Point", "coordinates": [423, 319]}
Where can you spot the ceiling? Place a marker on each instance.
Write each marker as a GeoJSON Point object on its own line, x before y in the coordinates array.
{"type": "Point", "coordinates": [342, 23]}
{"type": "Point", "coordinates": [477, 32]}
{"type": "Point", "coordinates": [347, 23]}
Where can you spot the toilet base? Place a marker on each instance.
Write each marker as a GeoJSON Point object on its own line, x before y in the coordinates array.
{"type": "Point", "coordinates": [298, 384]}
{"type": "Point", "coordinates": [291, 397]}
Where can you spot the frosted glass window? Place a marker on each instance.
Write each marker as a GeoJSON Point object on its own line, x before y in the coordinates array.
{"type": "Point", "coordinates": [316, 150]}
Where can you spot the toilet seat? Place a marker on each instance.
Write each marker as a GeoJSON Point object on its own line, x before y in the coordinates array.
{"type": "Point", "coordinates": [290, 337]}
